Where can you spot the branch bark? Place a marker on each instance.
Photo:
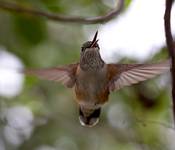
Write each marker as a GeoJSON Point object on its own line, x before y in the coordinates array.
{"type": "Point", "coordinates": [61, 18]}
{"type": "Point", "coordinates": [170, 46]}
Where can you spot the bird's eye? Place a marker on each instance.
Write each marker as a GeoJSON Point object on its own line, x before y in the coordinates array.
{"type": "Point", "coordinates": [82, 49]}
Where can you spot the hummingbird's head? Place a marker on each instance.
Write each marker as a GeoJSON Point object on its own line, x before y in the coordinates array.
{"type": "Point", "coordinates": [90, 55]}
{"type": "Point", "coordinates": [89, 117]}
{"type": "Point", "coordinates": [90, 44]}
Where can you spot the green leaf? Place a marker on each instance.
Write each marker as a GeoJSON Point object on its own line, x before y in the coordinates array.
{"type": "Point", "coordinates": [31, 30]}
{"type": "Point", "coordinates": [127, 3]}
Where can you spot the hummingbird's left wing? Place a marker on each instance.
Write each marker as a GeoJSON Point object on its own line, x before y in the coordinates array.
{"type": "Point", "coordinates": [121, 75]}
{"type": "Point", "coordinates": [64, 74]}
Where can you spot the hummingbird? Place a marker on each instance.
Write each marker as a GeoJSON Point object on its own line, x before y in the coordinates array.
{"type": "Point", "coordinates": [93, 80]}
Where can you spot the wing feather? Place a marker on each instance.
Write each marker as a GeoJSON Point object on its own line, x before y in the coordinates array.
{"type": "Point", "coordinates": [134, 73]}
{"type": "Point", "coordinates": [64, 74]}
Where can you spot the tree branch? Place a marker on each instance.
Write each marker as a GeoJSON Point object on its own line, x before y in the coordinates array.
{"type": "Point", "coordinates": [170, 46]}
{"type": "Point", "coordinates": [62, 18]}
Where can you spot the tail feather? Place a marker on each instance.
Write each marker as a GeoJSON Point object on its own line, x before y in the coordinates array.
{"type": "Point", "coordinates": [89, 117]}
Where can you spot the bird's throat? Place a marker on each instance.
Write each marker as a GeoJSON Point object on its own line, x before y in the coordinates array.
{"type": "Point", "coordinates": [91, 61]}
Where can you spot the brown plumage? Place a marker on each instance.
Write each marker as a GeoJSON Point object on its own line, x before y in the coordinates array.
{"type": "Point", "coordinates": [93, 79]}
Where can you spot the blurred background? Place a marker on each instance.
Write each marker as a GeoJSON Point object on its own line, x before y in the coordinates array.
{"type": "Point", "coordinates": [42, 115]}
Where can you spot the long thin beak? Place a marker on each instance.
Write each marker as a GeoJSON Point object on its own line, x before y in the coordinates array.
{"type": "Point", "coordinates": [94, 41]}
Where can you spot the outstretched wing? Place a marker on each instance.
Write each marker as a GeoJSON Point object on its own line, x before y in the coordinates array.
{"type": "Point", "coordinates": [63, 74]}
{"type": "Point", "coordinates": [127, 74]}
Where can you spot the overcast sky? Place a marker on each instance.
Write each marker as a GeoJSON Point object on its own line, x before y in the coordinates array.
{"type": "Point", "coordinates": [138, 33]}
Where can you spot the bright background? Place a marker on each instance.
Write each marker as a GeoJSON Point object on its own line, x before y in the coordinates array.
{"type": "Point", "coordinates": [42, 115]}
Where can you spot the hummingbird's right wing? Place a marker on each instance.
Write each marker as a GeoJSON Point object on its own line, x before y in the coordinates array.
{"type": "Point", "coordinates": [121, 75]}
{"type": "Point", "coordinates": [63, 74]}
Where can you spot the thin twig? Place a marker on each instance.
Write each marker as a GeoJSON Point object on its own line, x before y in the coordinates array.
{"type": "Point", "coordinates": [170, 46]}
{"type": "Point", "coordinates": [61, 18]}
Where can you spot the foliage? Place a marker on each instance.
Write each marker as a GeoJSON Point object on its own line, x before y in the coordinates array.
{"type": "Point", "coordinates": [38, 42]}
